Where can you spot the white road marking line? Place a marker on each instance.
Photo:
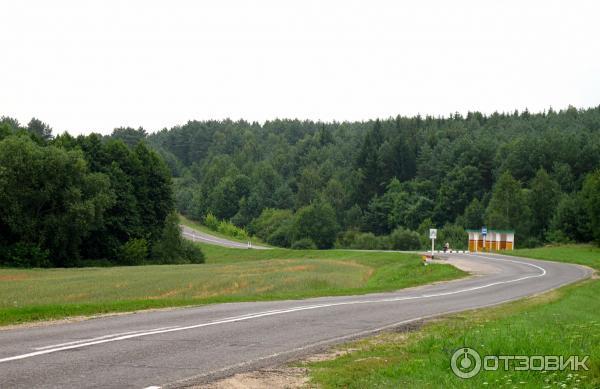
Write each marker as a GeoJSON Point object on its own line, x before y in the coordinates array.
{"type": "Point", "coordinates": [276, 312]}
{"type": "Point", "coordinates": [99, 337]}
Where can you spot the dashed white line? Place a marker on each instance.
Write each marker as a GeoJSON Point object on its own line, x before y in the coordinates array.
{"type": "Point", "coordinates": [98, 338]}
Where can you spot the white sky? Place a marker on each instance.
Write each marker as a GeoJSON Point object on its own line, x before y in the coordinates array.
{"type": "Point", "coordinates": [87, 66]}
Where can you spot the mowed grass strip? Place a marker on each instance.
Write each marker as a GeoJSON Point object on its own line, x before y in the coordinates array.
{"type": "Point", "coordinates": [562, 322]}
{"type": "Point", "coordinates": [229, 275]}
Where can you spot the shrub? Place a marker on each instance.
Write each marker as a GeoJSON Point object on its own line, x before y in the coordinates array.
{"type": "Point", "coordinates": [455, 235]}
{"type": "Point", "coordinates": [346, 239]}
{"type": "Point", "coordinates": [362, 241]}
{"type": "Point", "coordinates": [282, 236]}
{"type": "Point", "coordinates": [318, 223]}
{"type": "Point", "coordinates": [570, 222]}
{"type": "Point", "coordinates": [229, 229]}
{"type": "Point", "coordinates": [304, 244]}
{"type": "Point", "coordinates": [24, 255]}
{"type": "Point", "coordinates": [211, 222]}
{"type": "Point", "coordinates": [403, 239]}
{"type": "Point", "coordinates": [191, 253]}
{"type": "Point", "coordinates": [134, 252]}
{"type": "Point", "coordinates": [366, 241]}
{"type": "Point", "coordinates": [172, 248]}
{"type": "Point", "coordinates": [269, 221]}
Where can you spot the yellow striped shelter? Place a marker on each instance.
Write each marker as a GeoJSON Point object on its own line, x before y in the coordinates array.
{"type": "Point", "coordinates": [495, 240]}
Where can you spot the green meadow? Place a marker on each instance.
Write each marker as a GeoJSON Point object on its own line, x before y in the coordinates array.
{"type": "Point", "coordinates": [228, 275]}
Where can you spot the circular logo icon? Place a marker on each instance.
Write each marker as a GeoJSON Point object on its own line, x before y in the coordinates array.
{"type": "Point", "coordinates": [465, 362]}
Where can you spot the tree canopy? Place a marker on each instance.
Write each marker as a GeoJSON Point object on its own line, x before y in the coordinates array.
{"type": "Point", "coordinates": [87, 200]}
{"type": "Point", "coordinates": [378, 183]}
{"type": "Point", "coordinates": [508, 170]}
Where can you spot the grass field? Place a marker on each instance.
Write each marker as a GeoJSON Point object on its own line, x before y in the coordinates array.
{"type": "Point", "coordinates": [562, 322]}
{"type": "Point", "coordinates": [228, 275]}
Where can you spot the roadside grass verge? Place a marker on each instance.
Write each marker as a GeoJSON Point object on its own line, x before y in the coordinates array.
{"type": "Point", "coordinates": [582, 254]}
{"type": "Point", "coordinates": [220, 254]}
{"type": "Point", "coordinates": [564, 322]}
{"type": "Point", "coordinates": [228, 275]}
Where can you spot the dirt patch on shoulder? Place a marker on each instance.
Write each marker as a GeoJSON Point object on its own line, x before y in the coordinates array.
{"type": "Point", "coordinates": [296, 374]}
{"type": "Point", "coordinates": [285, 377]}
{"type": "Point", "coordinates": [473, 267]}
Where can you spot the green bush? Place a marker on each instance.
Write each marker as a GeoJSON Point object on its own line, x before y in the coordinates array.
{"type": "Point", "coordinates": [353, 239]}
{"type": "Point", "coordinates": [172, 248]}
{"type": "Point", "coordinates": [211, 222]}
{"type": "Point", "coordinates": [366, 241]}
{"type": "Point", "coordinates": [403, 239]}
{"type": "Point", "coordinates": [318, 223]}
{"type": "Point", "coordinates": [269, 221]}
{"type": "Point", "coordinates": [24, 255]}
{"type": "Point", "coordinates": [346, 239]}
{"type": "Point", "coordinates": [282, 236]}
{"type": "Point", "coordinates": [134, 252]}
{"type": "Point", "coordinates": [304, 244]}
{"type": "Point", "coordinates": [591, 200]}
{"type": "Point", "coordinates": [191, 253]}
{"type": "Point", "coordinates": [455, 235]}
{"type": "Point", "coordinates": [229, 229]}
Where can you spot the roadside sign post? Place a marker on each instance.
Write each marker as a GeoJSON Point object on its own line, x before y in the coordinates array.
{"type": "Point", "coordinates": [432, 236]}
{"type": "Point", "coordinates": [484, 234]}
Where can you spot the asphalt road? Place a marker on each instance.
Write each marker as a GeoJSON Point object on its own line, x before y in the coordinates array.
{"type": "Point", "coordinates": [182, 347]}
{"type": "Point", "coordinates": [198, 236]}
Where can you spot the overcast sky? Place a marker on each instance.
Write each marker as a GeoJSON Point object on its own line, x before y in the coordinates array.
{"type": "Point", "coordinates": [88, 66]}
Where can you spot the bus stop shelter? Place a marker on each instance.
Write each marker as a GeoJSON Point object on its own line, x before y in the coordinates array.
{"type": "Point", "coordinates": [495, 240]}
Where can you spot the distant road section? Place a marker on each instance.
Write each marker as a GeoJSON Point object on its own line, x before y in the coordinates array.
{"type": "Point", "coordinates": [198, 236]}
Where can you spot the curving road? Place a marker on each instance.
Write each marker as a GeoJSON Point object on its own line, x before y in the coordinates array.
{"type": "Point", "coordinates": [182, 347]}
{"type": "Point", "coordinates": [199, 236]}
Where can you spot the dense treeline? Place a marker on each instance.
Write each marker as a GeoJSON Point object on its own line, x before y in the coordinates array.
{"type": "Point", "coordinates": [69, 201]}
{"type": "Point", "coordinates": [302, 184]}
{"type": "Point", "coordinates": [383, 183]}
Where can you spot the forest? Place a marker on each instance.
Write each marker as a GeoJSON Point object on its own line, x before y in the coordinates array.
{"type": "Point", "coordinates": [83, 201]}
{"type": "Point", "coordinates": [384, 183]}
{"type": "Point", "coordinates": [379, 184]}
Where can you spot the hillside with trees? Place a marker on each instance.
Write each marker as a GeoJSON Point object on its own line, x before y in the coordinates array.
{"type": "Point", "coordinates": [383, 183]}
{"type": "Point", "coordinates": [69, 201]}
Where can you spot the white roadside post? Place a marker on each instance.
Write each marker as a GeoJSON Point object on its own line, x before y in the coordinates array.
{"type": "Point", "coordinates": [432, 236]}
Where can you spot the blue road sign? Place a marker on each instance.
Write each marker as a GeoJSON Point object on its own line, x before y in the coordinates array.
{"type": "Point", "coordinates": [483, 231]}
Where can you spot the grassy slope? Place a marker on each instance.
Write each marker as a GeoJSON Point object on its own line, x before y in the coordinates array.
{"type": "Point", "coordinates": [201, 227]}
{"type": "Point", "coordinates": [562, 322]}
{"type": "Point", "coordinates": [228, 275]}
